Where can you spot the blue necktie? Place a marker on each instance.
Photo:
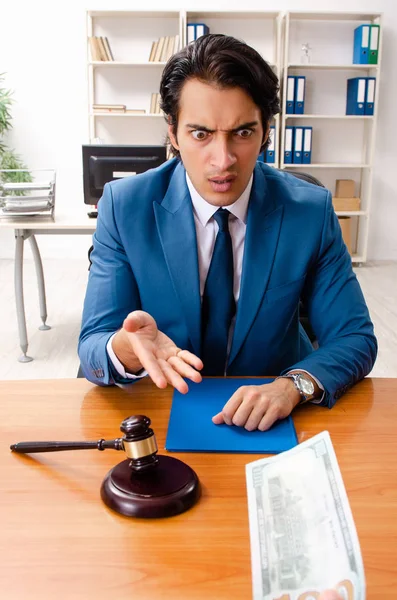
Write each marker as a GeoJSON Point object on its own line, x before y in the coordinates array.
{"type": "Point", "coordinates": [218, 306]}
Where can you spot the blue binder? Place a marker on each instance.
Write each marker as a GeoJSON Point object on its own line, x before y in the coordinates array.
{"type": "Point", "coordinates": [191, 32]}
{"type": "Point", "coordinates": [261, 156]}
{"type": "Point", "coordinates": [288, 145]}
{"type": "Point", "coordinates": [196, 30]}
{"type": "Point", "coordinates": [370, 96]}
{"type": "Point", "coordinates": [298, 146]}
{"type": "Point", "coordinates": [290, 106]}
{"type": "Point", "coordinates": [191, 429]}
{"type": "Point", "coordinates": [355, 102]}
{"type": "Point", "coordinates": [300, 89]}
{"type": "Point", "coordinates": [307, 145]}
{"type": "Point", "coordinates": [271, 149]}
{"type": "Point", "coordinates": [361, 45]}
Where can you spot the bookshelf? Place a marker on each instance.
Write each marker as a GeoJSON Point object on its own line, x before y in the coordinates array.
{"type": "Point", "coordinates": [342, 145]}
{"type": "Point", "coordinates": [131, 79]}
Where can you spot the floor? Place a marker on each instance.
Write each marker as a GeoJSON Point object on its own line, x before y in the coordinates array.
{"type": "Point", "coordinates": [54, 351]}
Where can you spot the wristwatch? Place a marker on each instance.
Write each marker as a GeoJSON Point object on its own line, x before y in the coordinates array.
{"type": "Point", "coordinates": [303, 384]}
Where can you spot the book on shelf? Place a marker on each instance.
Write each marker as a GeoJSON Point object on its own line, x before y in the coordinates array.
{"type": "Point", "coordinates": [135, 111]}
{"type": "Point", "coordinates": [155, 104]}
{"type": "Point", "coordinates": [164, 48]}
{"type": "Point", "coordinates": [100, 49]}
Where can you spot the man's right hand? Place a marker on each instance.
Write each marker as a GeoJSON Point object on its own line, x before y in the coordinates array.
{"type": "Point", "coordinates": [139, 344]}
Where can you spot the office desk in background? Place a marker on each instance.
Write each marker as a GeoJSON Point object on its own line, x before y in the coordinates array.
{"type": "Point", "coordinates": [58, 540]}
{"type": "Point", "coordinates": [27, 229]}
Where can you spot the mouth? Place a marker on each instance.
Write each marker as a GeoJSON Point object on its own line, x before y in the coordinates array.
{"type": "Point", "coordinates": [222, 184]}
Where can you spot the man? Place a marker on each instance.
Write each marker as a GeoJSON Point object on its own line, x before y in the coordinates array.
{"type": "Point", "coordinates": [178, 287]}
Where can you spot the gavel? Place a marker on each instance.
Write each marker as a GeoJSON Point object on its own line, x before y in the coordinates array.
{"type": "Point", "coordinates": [146, 484]}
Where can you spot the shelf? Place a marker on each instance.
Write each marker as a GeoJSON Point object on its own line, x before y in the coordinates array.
{"type": "Point", "coordinates": [333, 16]}
{"type": "Point", "coordinates": [230, 14]}
{"type": "Point", "coordinates": [326, 166]}
{"type": "Point", "coordinates": [128, 115]}
{"type": "Point", "coordinates": [347, 117]}
{"type": "Point", "coordinates": [332, 67]}
{"type": "Point", "coordinates": [155, 14]}
{"type": "Point", "coordinates": [356, 258]}
{"type": "Point", "coordinates": [351, 213]}
{"type": "Point", "coordinates": [118, 63]}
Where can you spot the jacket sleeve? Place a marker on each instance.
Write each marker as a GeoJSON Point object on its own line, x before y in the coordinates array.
{"type": "Point", "coordinates": [339, 316]}
{"type": "Point", "coordinates": [111, 294]}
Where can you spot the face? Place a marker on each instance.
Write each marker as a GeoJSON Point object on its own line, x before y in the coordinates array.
{"type": "Point", "coordinates": [219, 137]}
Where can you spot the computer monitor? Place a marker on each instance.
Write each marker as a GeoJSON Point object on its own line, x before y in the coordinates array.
{"type": "Point", "coordinates": [104, 163]}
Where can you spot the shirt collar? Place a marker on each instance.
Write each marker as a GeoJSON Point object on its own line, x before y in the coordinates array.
{"type": "Point", "coordinates": [204, 210]}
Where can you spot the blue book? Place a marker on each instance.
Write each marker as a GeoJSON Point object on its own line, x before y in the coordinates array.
{"type": "Point", "coordinates": [261, 157]}
{"type": "Point", "coordinates": [300, 90]}
{"type": "Point", "coordinates": [200, 29]}
{"type": "Point", "coordinates": [370, 96]}
{"type": "Point", "coordinates": [288, 144]}
{"type": "Point", "coordinates": [355, 101]}
{"type": "Point", "coordinates": [307, 145]}
{"type": "Point", "coordinates": [298, 146]}
{"type": "Point", "coordinates": [271, 149]}
{"type": "Point", "coordinates": [290, 100]}
{"type": "Point", "coordinates": [361, 45]}
{"type": "Point", "coordinates": [191, 429]}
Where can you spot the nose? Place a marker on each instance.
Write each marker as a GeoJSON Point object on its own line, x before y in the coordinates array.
{"type": "Point", "coordinates": [222, 157]}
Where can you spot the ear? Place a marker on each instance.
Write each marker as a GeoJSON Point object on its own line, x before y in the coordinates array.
{"type": "Point", "coordinates": [172, 136]}
{"type": "Point", "coordinates": [266, 134]}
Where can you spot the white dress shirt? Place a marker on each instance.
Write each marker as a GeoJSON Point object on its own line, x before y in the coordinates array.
{"type": "Point", "coordinates": [206, 232]}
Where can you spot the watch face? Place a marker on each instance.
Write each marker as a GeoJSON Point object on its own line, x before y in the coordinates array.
{"type": "Point", "coordinates": [306, 386]}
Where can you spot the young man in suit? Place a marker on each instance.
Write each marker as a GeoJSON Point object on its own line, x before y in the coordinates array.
{"type": "Point", "coordinates": [199, 265]}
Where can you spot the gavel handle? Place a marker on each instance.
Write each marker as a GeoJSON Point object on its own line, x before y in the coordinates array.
{"type": "Point", "coordinates": [30, 447]}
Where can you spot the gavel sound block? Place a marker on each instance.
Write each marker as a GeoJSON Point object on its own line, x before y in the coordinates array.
{"type": "Point", "coordinates": [146, 484]}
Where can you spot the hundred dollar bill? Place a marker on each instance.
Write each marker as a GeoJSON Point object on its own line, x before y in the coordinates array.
{"type": "Point", "coordinates": [302, 533]}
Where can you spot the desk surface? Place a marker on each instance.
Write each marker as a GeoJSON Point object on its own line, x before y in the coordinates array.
{"type": "Point", "coordinates": [58, 540]}
{"type": "Point", "coordinates": [60, 223]}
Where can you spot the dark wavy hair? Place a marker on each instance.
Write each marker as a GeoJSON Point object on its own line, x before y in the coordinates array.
{"type": "Point", "coordinates": [223, 61]}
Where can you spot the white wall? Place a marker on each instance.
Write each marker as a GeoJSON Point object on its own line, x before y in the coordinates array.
{"type": "Point", "coordinates": [43, 52]}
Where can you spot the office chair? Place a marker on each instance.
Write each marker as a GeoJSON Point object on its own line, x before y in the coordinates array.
{"type": "Point", "coordinates": [303, 318]}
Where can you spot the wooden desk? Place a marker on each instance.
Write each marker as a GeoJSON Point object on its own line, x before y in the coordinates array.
{"type": "Point", "coordinates": [58, 540]}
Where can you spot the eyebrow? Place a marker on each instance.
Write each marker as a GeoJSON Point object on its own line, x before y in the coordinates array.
{"type": "Point", "coordinates": [203, 128]}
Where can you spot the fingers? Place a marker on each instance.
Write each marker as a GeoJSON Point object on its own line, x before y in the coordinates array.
{"type": "Point", "coordinates": [173, 377]}
{"type": "Point", "coordinates": [268, 419]}
{"type": "Point", "coordinates": [184, 369]}
{"type": "Point", "coordinates": [191, 359]}
{"type": "Point", "coordinates": [254, 407]}
{"type": "Point", "coordinates": [231, 406]}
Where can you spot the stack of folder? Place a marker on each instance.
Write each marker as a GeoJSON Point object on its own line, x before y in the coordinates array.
{"type": "Point", "coordinates": [360, 96]}
{"type": "Point", "coordinates": [196, 30]}
{"type": "Point", "coordinates": [298, 145]}
{"type": "Point", "coordinates": [366, 45]}
{"type": "Point", "coordinates": [296, 88]}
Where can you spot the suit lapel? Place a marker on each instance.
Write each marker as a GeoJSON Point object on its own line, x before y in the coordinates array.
{"type": "Point", "coordinates": [175, 224]}
{"type": "Point", "coordinates": [263, 227]}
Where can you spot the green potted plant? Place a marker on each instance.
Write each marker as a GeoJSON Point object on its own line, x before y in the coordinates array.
{"type": "Point", "coordinates": [8, 158]}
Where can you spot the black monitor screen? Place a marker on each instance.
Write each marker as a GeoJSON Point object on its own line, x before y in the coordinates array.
{"type": "Point", "coordinates": [104, 163]}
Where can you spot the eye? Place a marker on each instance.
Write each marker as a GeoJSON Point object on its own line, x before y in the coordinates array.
{"type": "Point", "coordinates": [199, 134]}
{"type": "Point", "coordinates": [244, 133]}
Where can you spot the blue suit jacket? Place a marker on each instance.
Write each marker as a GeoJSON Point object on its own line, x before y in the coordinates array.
{"type": "Point", "coordinates": [145, 257]}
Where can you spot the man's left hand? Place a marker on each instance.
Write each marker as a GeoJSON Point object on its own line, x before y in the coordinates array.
{"type": "Point", "coordinates": [259, 406]}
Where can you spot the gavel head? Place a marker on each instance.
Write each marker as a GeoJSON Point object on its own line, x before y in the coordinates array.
{"type": "Point", "coordinates": [139, 443]}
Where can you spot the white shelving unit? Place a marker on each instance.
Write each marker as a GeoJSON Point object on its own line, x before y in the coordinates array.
{"type": "Point", "coordinates": [131, 82]}
{"type": "Point", "coordinates": [343, 145]}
